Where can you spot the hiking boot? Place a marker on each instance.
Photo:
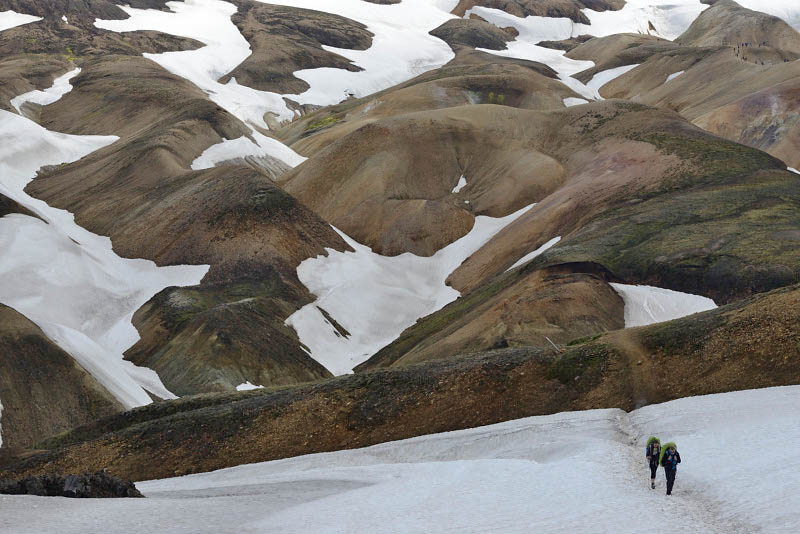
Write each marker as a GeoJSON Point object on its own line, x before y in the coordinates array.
{"type": "Point", "coordinates": [652, 484]}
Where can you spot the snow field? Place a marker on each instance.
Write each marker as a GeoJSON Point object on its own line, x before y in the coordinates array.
{"type": "Point", "coordinates": [11, 19]}
{"type": "Point", "coordinates": [207, 21]}
{"type": "Point", "coordinates": [562, 473]}
{"type": "Point", "coordinates": [670, 19]}
{"type": "Point", "coordinates": [376, 297]}
{"type": "Point", "coordinates": [401, 47]}
{"type": "Point", "coordinates": [67, 280]}
{"type": "Point", "coordinates": [60, 87]}
{"type": "Point", "coordinates": [647, 304]}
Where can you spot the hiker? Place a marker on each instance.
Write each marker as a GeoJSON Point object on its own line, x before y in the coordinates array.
{"type": "Point", "coordinates": [670, 458]}
{"type": "Point", "coordinates": [653, 454]}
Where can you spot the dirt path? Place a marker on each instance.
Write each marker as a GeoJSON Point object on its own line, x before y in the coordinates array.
{"type": "Point", "coordinates": [641, 367]}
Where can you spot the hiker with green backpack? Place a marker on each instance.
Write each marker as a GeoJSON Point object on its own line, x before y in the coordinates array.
{"type": "Point", "coordinates": [670, 458]}
{"type": "Point", "coordinates": [653, 455]}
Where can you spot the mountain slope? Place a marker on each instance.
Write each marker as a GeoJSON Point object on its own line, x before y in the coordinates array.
{"type": "Point", "coordinates": [35, 372]}
{"type": "Point", "coordinates": [748, 344]}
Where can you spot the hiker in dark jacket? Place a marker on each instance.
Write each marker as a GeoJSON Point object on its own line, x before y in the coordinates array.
{"type": "Point", "coordinates": [670, 460]}
{"type": "Point", "coordinates": [653, 454]}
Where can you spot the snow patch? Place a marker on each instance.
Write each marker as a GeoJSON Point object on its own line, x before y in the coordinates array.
{"type": "Point", "coordinates": [572, 101]}
{"type": "Point", "coordinates": [401, 47]}
{"type": "Point", "coordinates": [602, 78]}
{"type": "Point", "coordinates": [647, 304]}
{"type": "Point", "coordinates": [68, 280]}
{"type": "Point", "coordinates": [11, 19]}
{"type": "Point", "coordinates": [376, 297]}
{"type": "Point", "coordinates": [538, 252]}
{"type": "Point", "coordinates": [791, 169]}
{"type": "Point", "coordinates": [247, 386]}
{"type": "Point", "coordinates": [60, 87]}
{"type": "Point", "coordinates": [207, 21]}
{"type": "Point", "coordinates": [64, 18]}
{"type": "Point", "coordinates": [462, 183]}
{"type": "Point", "coordinates": [243, 147]}
{"type": "Point", "coordinates": [674, 75]}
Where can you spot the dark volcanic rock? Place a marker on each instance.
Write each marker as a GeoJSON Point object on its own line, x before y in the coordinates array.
{"type": "Point", "coordinates": [97, 485]}
{"type": "Point", "coordinates": [472, 32]}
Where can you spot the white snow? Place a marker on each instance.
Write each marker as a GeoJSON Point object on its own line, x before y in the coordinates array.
{"type": "Point", "coordinates": [674, 75]}
{"type": "Point", "coordinates": [60, 87]}
{"type": "Point", "coordinates": [242, 147]}
{"type": "Point", "coordinates": [604, 77]}
{"type": "Point", "coordinates": [563, 473]}
{"type": "Point", "coordinates": [647, 304]}
{"type": "Point", "coordinates": [462, 183]}
{"type": "Point", "coordinates": [401, 47]}
{"type": "Point", "coordinates": [64, 18]}
{"type": "Point", "coordinates": [538, 252]}
{"type": "Point", "coordinates": [788, 10]}
{"type": "Point", "coordinates": [376, 297]}
{"type": "Point", "coordinates": [67, 280]}
{"type": "Point", "coordinates": [572, 101]}
{"type": "Point", "coordinates": [671, 18]}
{"type": "Point", "coordinates": [207, 21]}
{"type": "Point", "coordinates": [11, 19]}
{"type": "Point", "coordinates": [247, 386]}
{"type": "Point", "coordinates": [791, 169]}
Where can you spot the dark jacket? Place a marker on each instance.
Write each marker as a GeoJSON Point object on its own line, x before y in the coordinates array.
{"type": "Point", "coordinates": [653, 451]}
{"type": "Point", "coordinates": [670, 459]}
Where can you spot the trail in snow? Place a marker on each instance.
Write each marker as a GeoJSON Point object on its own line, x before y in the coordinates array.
{"type": "Point", "coordinates": [376, 297]}
{"type": "Point", "coordinates": [647, 304]}
{"type": "Point", "coordinates": [562, 473]}
{"type": "Point", "coordinates": [11, 19]}
{"type": "Point", "coordinates": [67, 280]}
{"type": "Point", "coordinates": [60, 87]}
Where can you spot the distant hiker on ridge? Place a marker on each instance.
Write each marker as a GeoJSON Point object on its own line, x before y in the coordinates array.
{"type": "Point", "coordinates": [653, 454]}
{"type": "Point", "coordinates": [670, 458]}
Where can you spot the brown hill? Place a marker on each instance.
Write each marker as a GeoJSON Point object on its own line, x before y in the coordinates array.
{"type": "Point", "coordinates": [750, 344]}
{"type": "Point", "coordinates": [141, 192]}
{"type": "Point", "coordinates": [42, 389]}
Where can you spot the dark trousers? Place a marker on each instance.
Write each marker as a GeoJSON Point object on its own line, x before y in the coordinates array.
{"type": "Point", "coordinates": [670, 474]}
{"type": "Point", "coordinates": [653, 469]}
